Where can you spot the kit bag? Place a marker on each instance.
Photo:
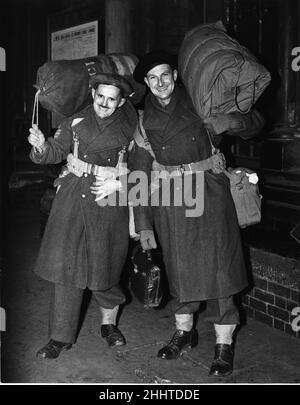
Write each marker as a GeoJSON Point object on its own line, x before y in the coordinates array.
{"type": "Point", "coordinates": [64, 85]}
{"type": "Point", "coordinates": [244, 191]}
{"type": "Point", "coordinates": [245, 194]}
{"type": "Point", "coordinates": [220, 75]}
{"type": "Point", "coordinates": [145, 279]}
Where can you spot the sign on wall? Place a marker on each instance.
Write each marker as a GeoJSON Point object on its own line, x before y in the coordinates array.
{"type": "Point", "coordinates": [77, 42]}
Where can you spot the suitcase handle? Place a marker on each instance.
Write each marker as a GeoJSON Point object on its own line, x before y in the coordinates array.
{"type": "Point", "coordinates": [137, 248]}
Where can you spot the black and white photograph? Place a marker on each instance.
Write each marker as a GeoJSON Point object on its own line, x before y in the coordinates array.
{"type": "Point", "coordinates": [150, 195]}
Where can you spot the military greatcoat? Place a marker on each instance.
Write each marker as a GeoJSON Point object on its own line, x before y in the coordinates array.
{"type": "Point", "coordinates": [203, 255]}
{"type": "Point", "coordinates": [85, 245]}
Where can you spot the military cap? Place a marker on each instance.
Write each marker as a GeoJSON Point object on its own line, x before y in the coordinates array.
{"type": "Point", "coordinates": [149, 61]}
{"type": "Point", "coordinates": [112, 79]}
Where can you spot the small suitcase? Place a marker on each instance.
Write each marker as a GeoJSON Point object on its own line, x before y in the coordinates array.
{"type": "Point", "coordinates": [145, 279]}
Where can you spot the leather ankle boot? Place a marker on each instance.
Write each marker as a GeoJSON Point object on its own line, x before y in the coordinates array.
{"type": "Point", "coordinates": [112, 335]}
{"type": "Point", "coordinates": [52, 349]}
{"type": "Point", "coordinates": [179, 341]}
{"type": "Point", "coordinates": [222, 364]}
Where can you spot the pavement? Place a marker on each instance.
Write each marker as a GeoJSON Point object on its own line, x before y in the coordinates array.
{"type": "Point", "coordinates": [262, 355]}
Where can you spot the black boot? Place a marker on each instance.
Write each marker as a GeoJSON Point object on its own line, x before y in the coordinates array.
{"type": "Point", "coordinates": [179, 341]}
{"type": "Point", "coordinates": [222, 364]}
{"type": "Point", "coordinates": [53, 349]}
{"type": "Point", "coordinates": [112, 335]}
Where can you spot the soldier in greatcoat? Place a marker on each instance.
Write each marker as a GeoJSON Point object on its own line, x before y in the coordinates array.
{"type": "Point", "coordinates": [202, 254]}
{"type": "Point", "coordinates": [85, 243]}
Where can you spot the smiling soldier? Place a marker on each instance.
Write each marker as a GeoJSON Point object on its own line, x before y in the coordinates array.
{"type": "Point", "coordinates": [85, 244]}
{"type": "Point", "coordinates": [203, 255]}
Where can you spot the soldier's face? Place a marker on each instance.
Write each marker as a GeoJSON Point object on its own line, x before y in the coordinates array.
{"type": "Point", "coordinates": [107, 99]}
{"type": "Point", "coordinates": [161, 80]}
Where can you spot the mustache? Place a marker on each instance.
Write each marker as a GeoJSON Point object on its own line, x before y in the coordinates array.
{"type": "Point", "coordinates": [103, 106]}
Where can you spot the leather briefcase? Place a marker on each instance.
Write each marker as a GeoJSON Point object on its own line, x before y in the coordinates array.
{"type": "Point", "coordinates": [145, 279]}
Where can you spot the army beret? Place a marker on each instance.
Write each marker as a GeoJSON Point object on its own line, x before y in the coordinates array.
{"type": "Point", "coordinates": [112, 79]}
{"type": "Point", "coordinates": [149, 61]}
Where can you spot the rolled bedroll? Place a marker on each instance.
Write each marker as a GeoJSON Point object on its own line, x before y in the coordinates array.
{"type": "Point", "coordinates": [220, 75]}
{"type": "Point", "coordinates": [64, 85]}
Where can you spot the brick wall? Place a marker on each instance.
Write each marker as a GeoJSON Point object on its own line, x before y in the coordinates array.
{"type": "Point", "coordinates": [272, 303]}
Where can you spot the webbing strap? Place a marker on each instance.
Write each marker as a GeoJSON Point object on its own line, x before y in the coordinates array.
{"type": "Point", "coordinates": [35, 111]}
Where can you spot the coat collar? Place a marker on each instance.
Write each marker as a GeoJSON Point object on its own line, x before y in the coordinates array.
{"type": "Point", "coordinates": [182, 115]}
{"type": "Point", "coordinates": [84, 125]}
{"type": "Point", "coordinates": [92, 131]}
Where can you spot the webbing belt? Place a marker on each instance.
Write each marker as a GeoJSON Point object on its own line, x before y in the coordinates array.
{"type": "Point", "coordinates": [96, 170]}
{"type": "Point", "coordinates": [79, 167]}
{"type": "Point", "coordinates": [201, 166]}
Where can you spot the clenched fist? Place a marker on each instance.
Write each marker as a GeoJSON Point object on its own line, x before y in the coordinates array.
{"type": "Point", "coordinates": [147, 240]}
{"type": "Point", "coordinates": [36, 138]}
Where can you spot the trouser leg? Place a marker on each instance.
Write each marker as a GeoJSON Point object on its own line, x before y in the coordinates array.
{"type": "Point", "coordinates": [64, 313]}
{"type": "Point", "coordinates": [109, 301]}
{"type": "Point", "coordinates": [224, 314]}
{"type": "Point", "coordinates": [222, 311]}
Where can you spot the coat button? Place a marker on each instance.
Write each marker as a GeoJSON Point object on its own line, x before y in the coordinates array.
{"type": "Point", "coordinates": [163, 147]}
{"type": "Point", "coordinates": [108, 159]}
{"type": "Point", "coordinates": [85, 174]}
{"type": "Point", "coordinates": [193, 138]}
{"type": "Point", "coordinates": [85, 156]}
{"type": "Point", "coordinates": [83, 196]}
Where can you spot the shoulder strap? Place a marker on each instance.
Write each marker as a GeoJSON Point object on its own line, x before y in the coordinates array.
{"type": "Point", "coordinates": [140, 135]}
{"type": "Point", "coordinates": [214, 150]}
{"type": "Point", "coordinates": [220, 163]}
{"type": "Point", "coordinates": [74, 122]}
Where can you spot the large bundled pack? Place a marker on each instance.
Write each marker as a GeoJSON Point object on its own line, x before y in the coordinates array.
{"type": "Point", "coordinates": [220, 75]}
{"type": "Point", "coordinates": [64, 85]}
